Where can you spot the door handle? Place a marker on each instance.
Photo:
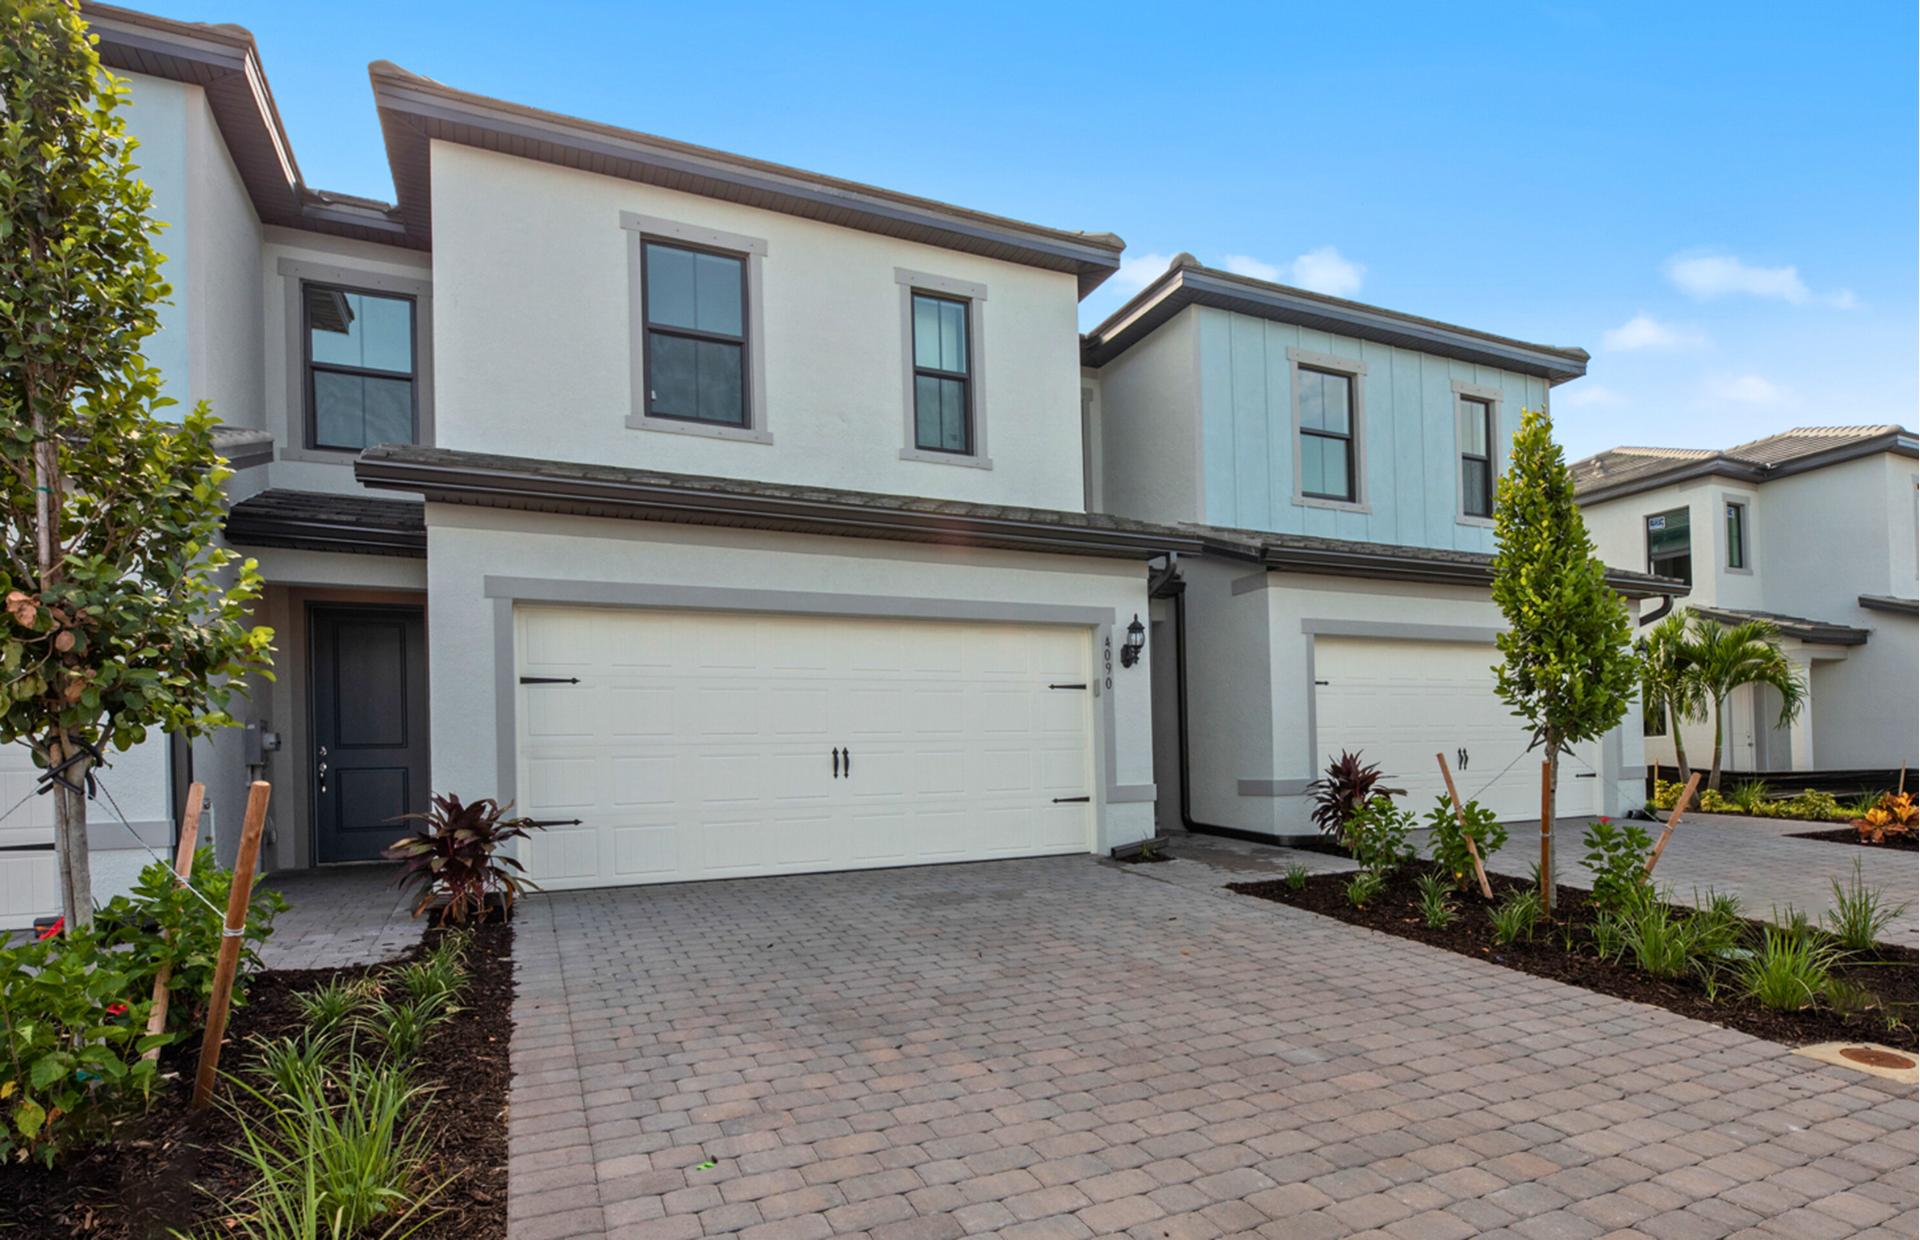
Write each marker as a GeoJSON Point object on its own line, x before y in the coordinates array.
{"type": "Point", "coordinates": [846, 761]}
{"type": "Point", "coordinates": [836, 762]}
{"type": "Point", "coordinates": [323, 776]}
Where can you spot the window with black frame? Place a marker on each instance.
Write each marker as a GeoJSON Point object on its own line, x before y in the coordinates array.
{"type": "Point", "coordinates": [1326, 435]}
{"type": "Point", "coordinates": [1670, 545]}
{"type": "Point", "coordinates": [1736, 535]}
{"type": "Point", "coordinates": [942, 376]}
{"type": "Point", "coordinates": [696, 323]}
{"type": "Point", "coordinates": [1476, 457]}
{"type": "Point", "coordinates": [362, 368]}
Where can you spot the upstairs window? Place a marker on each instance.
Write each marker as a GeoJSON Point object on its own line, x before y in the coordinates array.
{"type": "Point", "coordinates": [362, 368]}
{"type": "Point", "coordinates": [696, 334]}
{"type": "Point", "coordinates": [1476, 457]}
{"type": "Point", "coordinates": [942, 376]}
{"type": "Point", "coordinates": [1326, 435]}
{"type": "Point", "coordinates": [1670, 545]}
{"type": "Point", "coordinates": [1736, 535]}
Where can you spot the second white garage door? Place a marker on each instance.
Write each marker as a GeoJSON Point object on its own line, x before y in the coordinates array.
{"type": "Point", "coordinates": [702, 745]}
{"type": "Point", "coordinates": [1397, 703]}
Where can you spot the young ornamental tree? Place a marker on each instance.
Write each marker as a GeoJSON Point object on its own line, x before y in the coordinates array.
{"type": "Point", "coordinates": [121, 615]}
{"type": "Point", "coordinates": [1669, 685]}
{"type": "Point", "coordinates": [1569, 671]}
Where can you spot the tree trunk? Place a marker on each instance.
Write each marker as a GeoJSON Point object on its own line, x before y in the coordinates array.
{"type": "Point", "coordinates": [1713, 775]}
{"type": "Point", "coordinates": [1550, 779]}
{"type": "Point", "coordinates": [1679, 745]}
{"type": "Point", "coordinates": [70, 833]}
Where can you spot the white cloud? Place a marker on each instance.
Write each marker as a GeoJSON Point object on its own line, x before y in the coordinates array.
{"type": "Point", "coordinates": [1643, 331]}
{"type": "Point", "coordinates": [1325, 271]}
{"type": "Point", "coordinates": [1710, 276]}
{"type": "Point", "coordinates": [1747, 390]}
{"type": "Point", "coordinates": [1253, 268]}
{"type": "Point", "coordinates": [1585, 394]}
{"type": "Point", "coordinates": [1141, 270]}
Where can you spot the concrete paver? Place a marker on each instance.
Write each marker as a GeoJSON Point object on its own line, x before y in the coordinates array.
{"type": "Point", "coordinates": [1067, 1047]}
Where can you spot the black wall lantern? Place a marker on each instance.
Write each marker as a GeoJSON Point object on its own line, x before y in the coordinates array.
{"type": "Point", "coordinates": [1136, 642]}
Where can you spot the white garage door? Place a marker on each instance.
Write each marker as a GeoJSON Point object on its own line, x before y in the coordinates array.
{"type": "Point", "coordinates": [29, 877]}
{"type": "Point", "coordinates": [715, 745]}
{"type": "Point", "coordinates": [1398, 703]}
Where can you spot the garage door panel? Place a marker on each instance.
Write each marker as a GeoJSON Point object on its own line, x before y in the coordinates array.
{"type": "Point", "coordinates": [1397, 703]}
{"type": "Point", "coordinates": [700, 745]}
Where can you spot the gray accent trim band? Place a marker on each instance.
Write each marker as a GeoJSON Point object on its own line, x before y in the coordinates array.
{"type": "Point", "coordinates": [796, 602]}
{"type": "Point", "coordinates": [1126, 794]}
{"type": "Point", "coordinates": [927, 283]}
{"type": "Point", "coordinates": [1397, 630]}
{"type": "Point", "coordinates": [1890, 604]}
{"type": "Point", "coordinates": [1273, 787]}
{"type": "Point", "coordinates": [1251, 582]}
{"type": "Point", "coordinates": [506, 733]}
{"type": "Point", "coordinates": [154, 833]}
{"type": "Point", "coordinates": [694, 234]}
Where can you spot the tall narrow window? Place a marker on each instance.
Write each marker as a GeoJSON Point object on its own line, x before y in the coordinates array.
{"type": "Point", "coordinates": [1736, 535]}
{"type": "Point", "coordinates": [696, 363]}
{"type": "Point", "coordinates": [1326, 435]}
{"type": "Point", "coordinates": [1670, 545]}
{"type": "Point", "coordinates": [361, 368]}
{"type": "Point", "coordinates": [942, 376]}
{"type": "Point", "coordinates": [1476, 457]}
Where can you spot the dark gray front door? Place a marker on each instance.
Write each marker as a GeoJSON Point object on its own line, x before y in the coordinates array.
{"type": "Point", "coordinates": [369, 727]}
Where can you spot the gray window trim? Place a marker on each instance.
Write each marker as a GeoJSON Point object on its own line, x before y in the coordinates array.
{"type": "Point", "coordinates": [1356, 370]}
{"type": "Point", "coordinates": [297, 273]}
{"type": "Point", "coordinates": [1745, 500]}
{"type": "Point", "coordinates": [1493, 396]}
{"type": "Point", "coordinates": [1646, 537]}
{"type": "Point", "coordinates": [975, 295]}
{"type": "Point", "coordinates": [754, 250]}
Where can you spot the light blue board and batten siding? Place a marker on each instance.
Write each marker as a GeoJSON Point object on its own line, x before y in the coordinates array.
{"type": "Point", "coordinates": [157, 116]}
{"type": "Point", "coordinates": [1407, 427]}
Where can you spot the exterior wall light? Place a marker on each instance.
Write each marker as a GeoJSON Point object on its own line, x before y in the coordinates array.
{"type": "Point", "coordinates": [1136, 642]}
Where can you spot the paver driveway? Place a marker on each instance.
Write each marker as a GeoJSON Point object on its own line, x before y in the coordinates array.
{"type": "Point", "coordinates": [1066, 1047]}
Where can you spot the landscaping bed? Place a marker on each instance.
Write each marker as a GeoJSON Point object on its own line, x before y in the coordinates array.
{"type": "Point", "coordinates": [1565, 951]}
{"type": "Point", "coordinates": [172, 1171]}
{"type": "Point", "coordinates": [1847, 835]}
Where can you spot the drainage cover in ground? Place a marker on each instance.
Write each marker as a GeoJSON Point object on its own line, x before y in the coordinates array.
{"type": "Point", "coordinates": [1866, 1057]}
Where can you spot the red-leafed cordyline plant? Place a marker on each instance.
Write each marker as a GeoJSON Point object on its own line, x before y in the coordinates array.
{"type": "Point", "coordinates": [1347, 786]}
{"type": "Point", "coordinates": [455, 854]}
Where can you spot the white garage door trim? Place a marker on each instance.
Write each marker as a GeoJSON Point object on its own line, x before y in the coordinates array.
{"type": "Point", "coordinates": [695, 744]}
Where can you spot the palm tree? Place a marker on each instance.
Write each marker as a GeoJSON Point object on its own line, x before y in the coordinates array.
{"type": "Point", "coordinates": [1669, 689]}
{"type": "Point", "coordinates": [1724, 658]}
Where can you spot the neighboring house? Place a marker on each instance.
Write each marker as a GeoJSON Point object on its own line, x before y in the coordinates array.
{"type": "Point", "coordinates": [1343, 458]}
{"type": "Point", "coordinates": [753, 538]}
{"type": "Point", "coordinates": [1812, 530]}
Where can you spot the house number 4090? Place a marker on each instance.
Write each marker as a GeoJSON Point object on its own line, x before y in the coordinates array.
{"type": "Point", "coordinates": [1108, 657]}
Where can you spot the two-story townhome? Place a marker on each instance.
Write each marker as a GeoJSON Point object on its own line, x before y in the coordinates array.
{"type": "Point", "coordinates": [729, 519]}
{"type": "Point", "coordinates": [1342, 459]}
{"type": "Point", "coordinates": [1812, 530]}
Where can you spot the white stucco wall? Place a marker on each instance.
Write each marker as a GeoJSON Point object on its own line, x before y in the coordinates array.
{"type": "Point", "coordinates": [157, 117]}
{"type": "Point", "coordinates": [1150, 427]}
{"type": "Point", "coordinates": [223, 276]}
{"type": "Point", "coordinates": [466, 545]}
{"type": "Point", "coordinates": [533, 341]}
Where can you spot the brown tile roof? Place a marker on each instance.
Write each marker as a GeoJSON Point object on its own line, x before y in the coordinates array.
{"type": "Point", "coordinates": [1626, 471]}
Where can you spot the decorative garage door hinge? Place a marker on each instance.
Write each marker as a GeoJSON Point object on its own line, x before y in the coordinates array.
{"type": "Point", "coordinates": [1065, 800]}
{"type": "Point", "coordinates": [549, 680]}
{"type": "Point", "coordinates": [1066, 686]}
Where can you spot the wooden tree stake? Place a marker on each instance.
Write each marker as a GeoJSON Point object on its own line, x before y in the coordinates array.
{"type": "Point", "coordinates": [237, 900]}
{"type": "Point", "coordinates": [1546, 841]}
{"type": "Point", "coordinates": [1679, 807]}
{"type": "Point", "coordinates": [183, 869]}
{"type": "Point", "coordinates": [1460, 816]}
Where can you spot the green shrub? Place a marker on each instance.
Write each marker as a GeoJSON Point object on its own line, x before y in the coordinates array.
{"type": "Point", "coordinates": [298, 1061]}
{"type": "Point", "coordinates": [341, 1168]}
{"type": "Point", "coordinates": [1617, 857]}
{"type": "Point", "coordinates": [1436, 902]}
{"type": "Point", "coordinates": [1814, 807]}
{"type": "Point", "coordinates": [1377, 835]}
{"type": "Point", "coordinates": [1609, 936]}
{"type": "Point", "coordinates": [1364, 886]}
{"type": "Point", "coordinates": [329, 1008]}
{"type": "Point", "coordinates": [1448, 845]}
{"type": "Point", "coordinates": [1751, 796]}
{"type": "Point", "coordinates": [1515, 917]}
{"type": "Point", "coordinates": [1295, 876]}
{"type": "Point", "coordinates": [1860, 914]}
{"type": "Point", "coordinates": [1663, 944]}
{"type": "Point", "coordinates": [1787, 971]}
{"type": "Point", "coordinates": [402, 1029]}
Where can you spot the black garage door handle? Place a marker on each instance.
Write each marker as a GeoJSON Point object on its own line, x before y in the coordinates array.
{"type": "Point", "coordinates": [549, 680]}
{"type": "Point", "coordinates": [1065, 800]}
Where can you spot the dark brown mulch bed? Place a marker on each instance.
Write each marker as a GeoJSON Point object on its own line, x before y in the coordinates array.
{"type": "Point", "coordinates": [169, 1171]}
{"type": "Point", "coordinates": [1890, 974]}
{"type": "Point", "coordinates": [1847, 835]}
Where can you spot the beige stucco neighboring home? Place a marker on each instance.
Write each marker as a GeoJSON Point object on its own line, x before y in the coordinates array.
{"type": "Point", "coordinates": [1812, 530]}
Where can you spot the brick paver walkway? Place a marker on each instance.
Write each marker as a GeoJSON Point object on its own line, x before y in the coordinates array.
{"type": "Point", "coordinates": [1066, 1047]}
{"type": "Point", "coordinates": [340, 916]}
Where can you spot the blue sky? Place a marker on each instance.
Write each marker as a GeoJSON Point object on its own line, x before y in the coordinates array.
{"type": "Point", "coordinates": [1716, 200]}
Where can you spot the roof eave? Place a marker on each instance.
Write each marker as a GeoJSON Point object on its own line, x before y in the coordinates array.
{"type": "Point", "coordinates": [1388, 564]}
{"type": "Point", "coordinates": [1896, 442]}
{"type": "Point", "coordinates": [1182, 286]}
{"type": "Point", "coordinates": [415, 111]}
